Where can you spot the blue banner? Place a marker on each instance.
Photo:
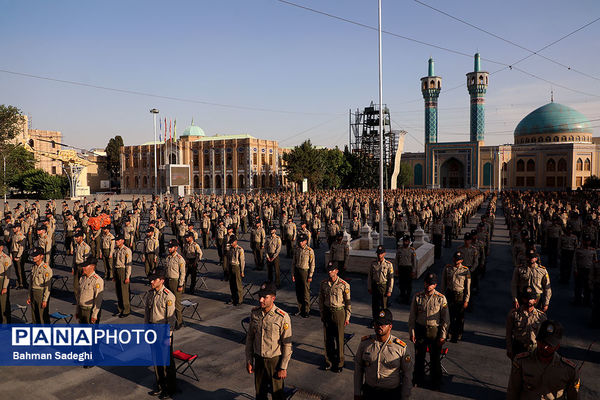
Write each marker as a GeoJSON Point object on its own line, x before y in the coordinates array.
{"type": "Point", "coordinates": [101, 344]}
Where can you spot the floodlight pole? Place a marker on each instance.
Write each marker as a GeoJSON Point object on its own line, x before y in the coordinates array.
{"type": "Point", "coordinates": [380, 135]}
{"type": "Point", "coordinates": [154, 111]}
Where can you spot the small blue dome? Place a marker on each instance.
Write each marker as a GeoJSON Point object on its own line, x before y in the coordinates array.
{"type": "Point", "coordinates": [193, 130]}
{"type": "Point", "coordinates": [553, 118]}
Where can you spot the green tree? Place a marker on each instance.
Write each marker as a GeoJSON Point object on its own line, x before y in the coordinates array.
{"type": "Point", "coordinates": [11, 121]}
{"type": "Point", "coordinates": [38, 184]}
{"type": "Point", "coordinates": [305, 161]}
{"type": "Point", "coordinates": [336, 168]}
{"type": "Point", "coordinates": [113, 159]}
{"type": "Point", "coordinates": [405, 175]}
{"type": "Point", "coordinates": [592, 182]}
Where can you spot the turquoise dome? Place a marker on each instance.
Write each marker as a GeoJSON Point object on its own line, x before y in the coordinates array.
{"type": "Point", "coordinates": [193, 130]}
{"type": "Point", "coordinates": [553, 118]}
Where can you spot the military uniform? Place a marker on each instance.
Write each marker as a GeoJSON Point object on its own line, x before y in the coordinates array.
{"type": "Point", "coordinates": [521, 330]}
{"type": "Point", "coordinates": [45, 243]}
{"type": "Point", "coordinates": [107, 247]}
{"type": "Point", "coordinates": [272, 249]}
{"type": "Point", "coordinates": [303, 268]}
{"type": "Point", "coordinates": [39, 292]}
{"type": "Point", "coordinates": [89, 303]}
{"type": "Point", "coordinates": [82, 252]}
{"type": "Point", "coordinates": [406, 262]}
{"type": "Point", "coordinates": [382, 370]}
{"type": "Point", "coordinates": [175, 279]}
{"type": "Point", "coordinates": [335, 308]}
{"type": "Point", "coordinates": [160, 309]}
{"type": "Point", "coordinates": [192, 254]}
{"type": "Point", "coordinates": [17, 248]}
{"type": "Point", "coordinates": [437, 233]}
{"type": "Point", "coordinates": [471, 261]}
{"type": "Point", "coordinates": [531, 379]}
{"type": "Point", "coordinates": [123, 259]}
{"type": "Point", "coordinates": [428, 323]}
{"type": "Point", "coordinates": [568, 244]}
{"type": "Point", "coordinates": [535, 276]}
{"type": "Point", "coordinates": [289, 237]}
{"type": "Point", "coordinates": [338, 253]}
{"type": "Point", "coordinates": [380, 282]}
{"type": "Point", "coordinates": [269, 349]}
{"type": "Point", "coordinates": [585, 259]}
{"type": "Point", "coordinates": [235, 262]}
{"type": "Point", "coordinates": [257, 243]}
{"type": "Point", "coordinates": [5, 310]}
{"type": "Point", "coordinates": [456, 286]}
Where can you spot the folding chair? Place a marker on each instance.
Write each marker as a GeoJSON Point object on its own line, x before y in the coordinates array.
{"type": "Point", "coordinates": [186, 361]}
{"type": "Point", "coordinates": [245, 323]}
{"type": "Point", "coordinates": [286, 276]}
{"type": "Point", "coordinates": [193, 306]}
{"type": "Point", "coordinates": [347, 338]}
{"type": "Point", "coordinates": [62, 282]}
{"type": "Point", "coordinates": [443, 354]}
{"type": "Point", "coordinates": [139, 295]}
{"type": "Point", "coordinates": [60, 257]}
{"type": "Point", "coordinates": [248, 291]}
{"type": "Point", "coordinates": [58, 316]}
{"type": "Point", "coordinates": [202, 269]}
{"type": "Point", "coordinates": [313, 300]}
{"type": "Point", "coordinates": [22, 309]}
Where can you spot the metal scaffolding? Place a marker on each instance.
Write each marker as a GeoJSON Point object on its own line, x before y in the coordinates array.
{"type": "Point", "coordinates": [364, 137]}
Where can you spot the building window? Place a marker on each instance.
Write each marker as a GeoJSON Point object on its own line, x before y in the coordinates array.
{"type": "Point", "coordinates": [578, 181]}
{"type": "Point", "coordinates": [487, 174]}
{"type": "Point", "coordinates": [550, 165]}
{"type": "Point", "coordinates": [550, 180]}
{"type": "Point", "coordinates": [504, 166]}
{"type": "Point", "coordinates": [562, 165]}
{"type": "Point", "coordinates": [241, 160]}
{"type": "Point", "coordinates": [563, 138]}
{"type": "Point", "coordinates": [520, 181]}
{"type": "Point", "coordinates": [196, 181]}
{"type": "Point", "coordinates": [530, 165]}
{"type": "Point", "coordinates": [241, 183]}
{"type": "Point", "coordinates": [262, 159]}
{"type": "Point", "coordinates": [571, 138]}
{"type": "Point", "coordinates": [555, 139]}
{"type": "Point", "coordinates": [206, 160]}
{"type": "Point", "coordinates": [560, 181]}
{"type": "Point", "coordinates": [271, 159]}
{"type": "Point", "coordinates": [127, 182]}
{"type": "Point", "coordinates": [540, 139]}
{"type": "Point", "coordinates": [520, 166]}
{"type": "Point", "coordinates": [206, 181]}
{"type": "Point", "coordinates": [587, 165]}
{"type": "Point", "coordinates": [145, 182]}
{"type": "Point", "coordinates": [418, 175]}
{"type": "Point", "coordinates": [579, 165]}
{"type": "Point", "coordinates": [229, 181]}
{"type": "Point", "coordinates": [229, 161]}
{"type": "Point", "coordinates": [254, 159]}
{"type": "Point", "coordinates": [53, 170]}
{"type": "Point", "coordinates": [548, 139]}
{"type": "Point", "coordinates": [531, 181]}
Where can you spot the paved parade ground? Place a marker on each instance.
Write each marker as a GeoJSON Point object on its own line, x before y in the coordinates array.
{"type": "Point", "coordinates": [477, 367]}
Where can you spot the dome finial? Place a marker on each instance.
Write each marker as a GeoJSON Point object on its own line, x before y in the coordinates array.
{"type": "Point", "coordinates": [192, 121]}
{"type": "Point", "coordinates": [431, 67]}
{"type": "Point", "coordinates": [551, 95]}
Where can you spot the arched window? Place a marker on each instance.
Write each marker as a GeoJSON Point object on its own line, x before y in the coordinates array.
{"type": "Point", "coordinates": [241, 182]}
{"type": "Point", "coordinates": [504, 166]}
{"type": "Point", "coordinates": [530, 165]}
{"type": "Point", "coordinates": [255, 182]}
{"type": "Point", "coordinates": [218, 182]}
{"type": "Point", "coordinates": [206, 182]}
{"type": "Point", "coordinates": [548, 139]}
{"type": "Point", "coordinates": [563, 138]}
{"type": "Point", "coordinates": [127, 182]}
{"type": "Point", "coordinates": [578, 139]}
{"type": "Point", "coordinates": [196, 181]}
{"type": "Point", "coordinates": [520, 166]}
{"type": "Point", "coordinates": [439, 84]}
{"type": "Point", "coordinates": [562, 165]}
{"type": "Point", "coordinates": [571, 139]}
{"type": "Point", "coordinates": [540, 139]}
{"type": "Point", "coordinates": [229, 181]}
{"type": "Point", "coordinates": [579, 165]}
{"type": "Point", "coordinates": [137, 182]}
{"type": "Point", "coordinates": [145, 182]}
{"type": "Point", "coordinates": [587, 165]}
{"type": "Point", "coordinates": [487, 174]}
{"type": "Point", "coordinates": [555, 139]}
{"type": "Point", "coordinates": [418, 175]}
{"type": "Point", "coordinates": [263, 182]}
{"type": "Point", "coordinates": [550, 165]}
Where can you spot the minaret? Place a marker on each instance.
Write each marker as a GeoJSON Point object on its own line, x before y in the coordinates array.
{"type": "Point", "coordinates": [431, 86]}
{"type": "Point", "coordinates": [477, 83]}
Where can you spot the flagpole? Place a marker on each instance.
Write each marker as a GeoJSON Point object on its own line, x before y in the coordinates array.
{"type": "Point", "coordinates": [380, 134]}
{"type": "Point", "coordinates": [154, 111]}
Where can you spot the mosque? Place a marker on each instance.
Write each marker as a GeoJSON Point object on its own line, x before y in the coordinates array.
{"type": "Point", "coordinates": [553, 146]}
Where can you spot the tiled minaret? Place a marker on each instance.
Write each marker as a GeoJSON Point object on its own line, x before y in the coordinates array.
{"type": "Point", "coordinates": [431, 86]}
{"type": "Point", "coordinates": [477, 83]}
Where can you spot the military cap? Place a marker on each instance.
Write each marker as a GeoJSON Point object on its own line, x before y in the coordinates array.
{"type": "Point", "coordinates": [331, 266]}
{"type": "Point", "coordinates": [90, 261]}
{"type": "Point", "coordinates": [586, 237]}
{"type": "Point", "coordinates": [302, 237]}
{"type": "Point", "coordinates": [458, 256]}
{"type": "Point", "coordinates": [173, 243]}
{"type": "Point", "coordinates": [106, 227]}
{"type": "Point", "coordinates": [339, 234]}
{"type": "Point", "coordinates": [36, 251]}
{"type": "Point", "coordinates": [528, 293]}
{"type": "Point", "coordinates": [468, 236]}
{"type": "Point", "coordinates": [550, 332]}
{"type": "Point", "coordinates": [524, 233]}
{"type": "Point", "coordinates": [2, 242]}
{"type": "Point", "coordinates": [120, 237]}
{"type": "Point", "coordinates": [78, 234]}
{"type": "Point", "coordinates": [232, 239]}
{"type": "Point", "coordinates": [406, 238]}
{"type": "Point", "coordinates": [481, 224]}
{"type": "Point", "coordinates": [17, 225]}
{"type": "Point", "coordinates": [266, 289]}
{"type": "Point", "coordinates": [380, 249]}
{"type": "Point", "coordinates": [430, 278]}
{"type": "Point", "coordinates": [384, 317]}
{"type": "Point", "coordinates": [158, 273]}
{"type": "Point", "coordinates": [473, 232]}
{"type": "Point", "coordinates": [41, 228]}
{"type": "Point", "coordinates": [531, 254]}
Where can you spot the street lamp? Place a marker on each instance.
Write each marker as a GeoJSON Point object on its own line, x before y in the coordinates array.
{"type": "Point", "coordinates": [154, 111]}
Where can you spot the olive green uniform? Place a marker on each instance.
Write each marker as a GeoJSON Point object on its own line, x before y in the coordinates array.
{"type": "Point", "coordinates": [335, 308]}
{"type": "Point", "coordinates": [303, 268]}
{"type": "Point", "coordinates": [521, 330]}
{"type": "Point", "coordinates": [175, 274]}
{"type": "Point", "coordinates": [380, 282]}
{"type": "Point", "coordinates": [89, 303]}
{"type": "Point", "coordinates": [123, 259]}
{"type": "Point", "coordinates": [39, 292]}
{"type": "Point", "coordinates": [5, 264]}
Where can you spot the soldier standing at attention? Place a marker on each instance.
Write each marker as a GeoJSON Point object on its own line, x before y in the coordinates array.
{"type": "Point", "coordinates": [107, 251]}
{"type": "Point", "coordinates": [268, 345]}
{"type": "Point", "coordinates": [235, 262]}
{"type": "Point", "coordinates": [44, 241]}
{"type": "Point", "coordinates": [175, 278]}
{"type": "Point", "coordinates": [332, 230]}
{"type": "Point", "coordinates": [543, 373]}
{"type": "Point", "coordinates": [406, 262]}
{"type": "Point", "coordinates": [534, 275]}
{"type": "Point", "coordinates": [289, 236]}
{"type": "Point", "coordinates": [568, 244]}
{"type": "Point", "coordinates": [150, 253]}
{"type": "Point", "coordinates": [5, 264]}
{"type": "Point", "coordinates": [380, 282]}
{"type": "Point", "coordinates": [471, 259]}
{"type": "Point", "coordinates": [122, 271]}
{"type": "Point", "coordinates": [437, 234]}
{"type": "Point", "coordinates": [585, 259]}
{"type": "Point", "coordinates": [160, 309]}
{"type": "Point", "coordinates": [192, 254]}
{"type": "Point", "coordinates": [39, 288]}
{"type": "Point", "coordinates": [339, 252]}
{"type": "Point", "coordinates": [303, 268]}
{"type": "Point", "coordinates": [522, 324]}
{"type": "Point", "coordinates": [456, 286]}
{"type": "Point", "coordinates": [383, 366]}
{"type": "Point", "coordinates": [428, 328]}
{"type": "Point", "coordinates": [82, 252]}
{"type": "Point", "coordinates": [205, 229]}
{"type": "Point", "coordinates": [273, 248]}
{"type": "Point", "coordinates": [335, 308]}
{"type": "Point", "coordinates": [91, 288]}
{"type": "Point", "coordinates": [257, 243]}
{"type": "Point", "coordinates": [17, 248]}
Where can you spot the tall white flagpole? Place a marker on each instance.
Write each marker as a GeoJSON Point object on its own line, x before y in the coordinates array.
{"type": "Point", "coordinates": [380, 135]}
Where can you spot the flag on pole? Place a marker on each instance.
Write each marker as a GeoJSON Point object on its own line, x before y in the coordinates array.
{"type": "Point", "coordinates": [170, 126]}
{"type": "Point", "coordinates": [175, 130]}
{"type": "Point", "coordinates": [165, 129]}
{"type": "Point", "coordinates": [159, 130]}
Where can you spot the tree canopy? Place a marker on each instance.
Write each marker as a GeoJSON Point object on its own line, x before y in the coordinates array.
{"type": "Point", "coordinates": [11, 121]}
{"type": "Point", "coordinates": [113, 159]}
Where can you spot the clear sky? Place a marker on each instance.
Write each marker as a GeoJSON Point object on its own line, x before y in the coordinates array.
{"type": "Point", "coordinates": [300, 70]}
